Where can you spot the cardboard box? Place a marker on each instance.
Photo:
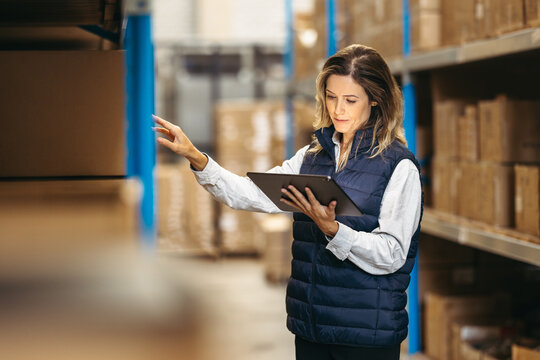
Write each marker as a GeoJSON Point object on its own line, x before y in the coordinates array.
{"type": "Point", "coordinates": [277, 256]}
{"type": "Point", "coordinates": [426, 30]}
{"type": "Point", "coordinates": [251, 132]}
{"type": "Point", "coordinates": [251, 137]}
{"type": "Point", "coordinates": [425, 17]}
{"type": "Point", "coordinates": [509, 130]}
{"type": "Point", "coordinates": [457, 22]}
{"type": "Point", "coordinates": [304, 117]}
{"type": "Point", "coordinates": [495, 17]}
{"type": "Point", "coordinates": [201, 215]}
{"type": "Point", "coordinates": [532, 12]}
{"type": "Point", "coordinates": [470, 339]}
{"type": "Point", "coordinates": [446, 267]}
{"type": "Point", "coordinates": [465, 351]}
{"type": "Point", "coordinates": [185, 211]}
{"type": "Point", "coordinates": [468, 138]}
{"type": "Point", "coordinates": [527, 201]}
{"type": "Point", "coordinates": [172, 207]}
{"type": "Point", "coordinates": [345, 19]}
{"type": "Point", "coordinates": [445, 128]}
{"type": "Point", "coordinates": [442, 311]}
{"type": "Point", "coordinates": [495, 194]}
{"type": "Point", "coordinates": [445, 184]}
{"type": "Point", "coordinates": [524, 353]}
{"type": "Point", "coordinates": [483, 19]}
{"type": "Point", "coordinates": [40, 220]}
{"type": "Point", "coordinates": [239, 232]}
{"type": "Point", "coordinates": [378, 23]}
{"type": "Point", "coordinates": [468, 188]}
{"type": "Point", "coordinates": [63, 113]}
{"type": "Point", "coordinates": [509, 15]}
{"type": "Point", "coordinates": [484, 192]}
{"type": "Point", "coordinates": [309, 44]}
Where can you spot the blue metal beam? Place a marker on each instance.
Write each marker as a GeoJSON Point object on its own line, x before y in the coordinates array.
{"type": "Point", "coordinates": [288, 60]}
{"type": "Point", "coordinates": [140, 106]}
{"type": "Point", "coordinates": [331, 30]}
{"type": "Point", "coordinates": [409, 123]}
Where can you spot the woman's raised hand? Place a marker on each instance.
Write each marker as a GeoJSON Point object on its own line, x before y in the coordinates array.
{"type": "Point", "coordinates": [179, 143]}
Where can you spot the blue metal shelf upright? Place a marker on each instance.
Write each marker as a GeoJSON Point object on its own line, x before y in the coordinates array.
{"type": "Point", "coordinates": [409, 123]}
{"type": "Point", "coordinates": [288, 60]}
{"type": "Point", "coordinates": [140, 106]}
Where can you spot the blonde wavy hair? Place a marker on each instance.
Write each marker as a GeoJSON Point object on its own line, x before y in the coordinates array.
{"type": "Point", "coordinates": [369, 70]}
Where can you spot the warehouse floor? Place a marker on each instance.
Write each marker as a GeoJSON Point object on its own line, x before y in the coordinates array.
{"type": "Point", "coordinates": [243, 315]}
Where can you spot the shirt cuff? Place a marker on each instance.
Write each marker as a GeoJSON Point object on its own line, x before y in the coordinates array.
{"type": "Point", "coordinates": [342, 242]}
{"type": "Point", "coordinates": [209, 174]}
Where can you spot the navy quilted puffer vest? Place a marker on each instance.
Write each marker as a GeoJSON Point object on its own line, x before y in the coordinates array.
{"type": "Point", "coordinates": [332, 301]}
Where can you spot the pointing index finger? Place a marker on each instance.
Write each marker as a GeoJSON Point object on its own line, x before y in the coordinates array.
{"type": "Point", "coordinates": [167, 125]}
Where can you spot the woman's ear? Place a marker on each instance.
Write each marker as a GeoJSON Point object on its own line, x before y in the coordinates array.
{"type": "Point", "coordinates": [374, 103]}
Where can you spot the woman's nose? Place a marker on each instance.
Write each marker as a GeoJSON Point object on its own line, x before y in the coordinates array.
{"type": "Point", "coordinates": [339, 107]}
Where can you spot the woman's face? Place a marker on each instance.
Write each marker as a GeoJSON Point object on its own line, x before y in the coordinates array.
{"type": "Point", "coordinates": [347, 104]}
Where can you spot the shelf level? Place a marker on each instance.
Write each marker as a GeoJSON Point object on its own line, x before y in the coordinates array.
{"type": "Point", "coordinates": [506, 44]}
{"type": "Point", "coordinates": [498, 241]}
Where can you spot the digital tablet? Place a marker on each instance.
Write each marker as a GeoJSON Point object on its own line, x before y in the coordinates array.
{"type": "Point", "coordinates": [323, 187]}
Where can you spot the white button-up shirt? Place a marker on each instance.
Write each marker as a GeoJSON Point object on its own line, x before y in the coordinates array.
{"type": "Point", "coordinates": [382, 251]}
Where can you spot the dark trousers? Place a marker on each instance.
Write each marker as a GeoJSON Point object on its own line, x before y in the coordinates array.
{"type": "Point", "coordinates": [306, 350]}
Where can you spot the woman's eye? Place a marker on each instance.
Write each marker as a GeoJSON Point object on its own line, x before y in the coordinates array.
{"type": "Point", "coordinates": [351, 101]}
{"type": "Point", "coordinates": [330, 97]}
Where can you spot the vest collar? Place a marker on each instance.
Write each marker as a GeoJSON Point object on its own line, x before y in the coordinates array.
{"type": "Point", "coordinates": [361, 142]}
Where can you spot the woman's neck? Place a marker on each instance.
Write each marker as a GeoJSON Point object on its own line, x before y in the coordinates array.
{"type": "Point", "coordinates": [346, 140]}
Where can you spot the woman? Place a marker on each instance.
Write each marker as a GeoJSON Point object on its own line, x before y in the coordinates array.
{"type": "Point", "coordinates": [346, 295]}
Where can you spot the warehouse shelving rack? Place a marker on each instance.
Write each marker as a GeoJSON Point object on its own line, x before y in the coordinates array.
{"type": "Point", "coordinates": [98, 18]}
{"type": "Point", "coordinates": [509, 244]}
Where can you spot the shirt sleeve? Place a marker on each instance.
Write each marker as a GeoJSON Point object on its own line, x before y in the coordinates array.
{"type": "Point", "coordinates": [239, 192]}
{"type": "Point", "coordinates": [384, 250]}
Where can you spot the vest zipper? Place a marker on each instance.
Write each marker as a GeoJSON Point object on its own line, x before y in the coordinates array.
{"type": "Point", "coordinates": [378, 311]}
{"type": "Point", "coordinates": [316, 252]}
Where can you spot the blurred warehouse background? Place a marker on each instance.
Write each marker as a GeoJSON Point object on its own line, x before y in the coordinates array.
{"type": "Point", "coordinates": [81, 189]}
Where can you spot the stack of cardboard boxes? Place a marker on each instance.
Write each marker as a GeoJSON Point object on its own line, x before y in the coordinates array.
{"type": "Point", "coordinates": [434, 23]}
{"type": "Point", "coordinates": [245, 133]}
{"type": "Point", "coordinates": [473, 302]}
{"type": "Point", "coordinates": [309, 40]}
{"type": "Point", "coordinates": [425, 18]}
{"type": "Point", "coordinates": [372, 23]}
{"type": "Point", "coordinates": [250, 136]}
{"type": "Point", "coordinates": [277, 254]}
{"type": "Point", "coordinates": [379, 24]}
{"type": "Point", "coordinates": [450, 317]}
{"type": "Point", "coordinates": [185, 212]}
{"type": "Point", "coordinates": [477, 147]}
{"type": "Point", "coordinates": [62, 152]}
